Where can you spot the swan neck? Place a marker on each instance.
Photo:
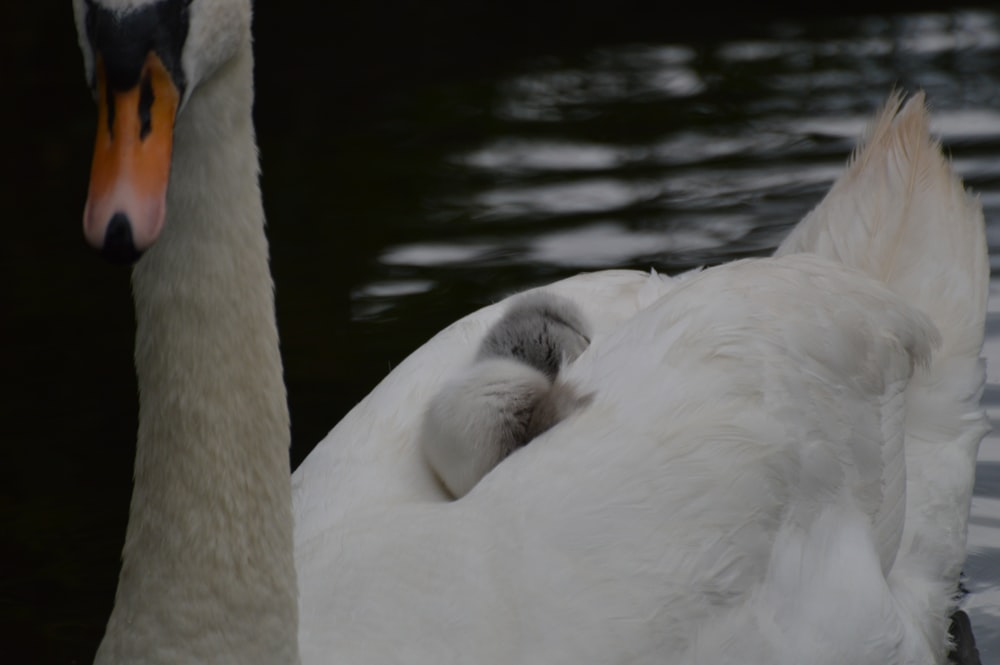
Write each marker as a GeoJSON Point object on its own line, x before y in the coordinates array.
{"type": "Point", "coordinates": [207, 567]}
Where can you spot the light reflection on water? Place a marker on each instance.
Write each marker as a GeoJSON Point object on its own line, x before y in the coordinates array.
{"type": "Point", "coordinates": [627, 154]}
{"type": "Point", "coordinates": [513, 156]}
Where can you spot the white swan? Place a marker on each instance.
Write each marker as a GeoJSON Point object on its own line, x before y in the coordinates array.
{"type": "Point", "coordinates": [733, 492]}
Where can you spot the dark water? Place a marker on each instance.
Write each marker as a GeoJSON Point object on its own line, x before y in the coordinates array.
{"type": "Point", "coordinates": [419, 190]}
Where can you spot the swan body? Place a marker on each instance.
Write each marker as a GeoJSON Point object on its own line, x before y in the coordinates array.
{"type": "Point", "coordinates": [768, 443]}
{"type": "Point", "coordinates": [774, 463]}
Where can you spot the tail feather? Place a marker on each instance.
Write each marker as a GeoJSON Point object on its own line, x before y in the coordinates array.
{"type": "Point", "coordinates": [902, 216]}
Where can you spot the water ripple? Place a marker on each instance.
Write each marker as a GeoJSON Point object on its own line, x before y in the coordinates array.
{"type": "Point", "coordinates": [608, 245]}
{"type": "Point", "coordinates": [517, 155]}
{"type": "Point", "coordinates": [429, 254]}
{"type": "Point", "coordinates": [596, 195]}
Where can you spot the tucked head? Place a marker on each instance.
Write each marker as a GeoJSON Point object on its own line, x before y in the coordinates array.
{"type": "Point", "coordinates": [143, 59]}
{"type": "Point", "coordinates": [540, 329]}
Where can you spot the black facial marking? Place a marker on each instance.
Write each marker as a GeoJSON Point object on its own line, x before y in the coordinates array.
{"type": "Point", "coordinates": [124, 40]}
{"type": "Point", "coordinates": [109, 101]}
{"type": "Point", "coordinates": [118, 245]}
{"type": "Point", "coordinates": [146, 98]}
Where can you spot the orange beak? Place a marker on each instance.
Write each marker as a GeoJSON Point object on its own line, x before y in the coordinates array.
{"type": "Point", "coordinates": [126, 203]}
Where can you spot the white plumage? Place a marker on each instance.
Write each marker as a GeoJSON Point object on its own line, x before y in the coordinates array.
{"type": "Point", "coordinates": [735, 491]}
{"type": "Point", "coordinates": [774, 463]}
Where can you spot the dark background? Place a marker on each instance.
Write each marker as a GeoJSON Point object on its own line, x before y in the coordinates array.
{"type": "Point", "coordinates": [335, 83]}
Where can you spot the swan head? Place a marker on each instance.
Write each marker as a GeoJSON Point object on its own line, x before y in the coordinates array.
{"type": "Point", "coordinates": [143, 60]}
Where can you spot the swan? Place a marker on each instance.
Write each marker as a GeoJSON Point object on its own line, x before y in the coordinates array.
{"type": "Point", "coordinates": [509, 395]}
{"type": "Point", "coordinates": [774, 464]}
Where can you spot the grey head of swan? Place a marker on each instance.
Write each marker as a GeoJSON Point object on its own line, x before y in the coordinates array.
{"type": "Point", "coordinates": [540, 329]}
{"type": "Point", "coordinates": [510, 394]}
{"type": "Point", "coordinates": [143, 59]}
